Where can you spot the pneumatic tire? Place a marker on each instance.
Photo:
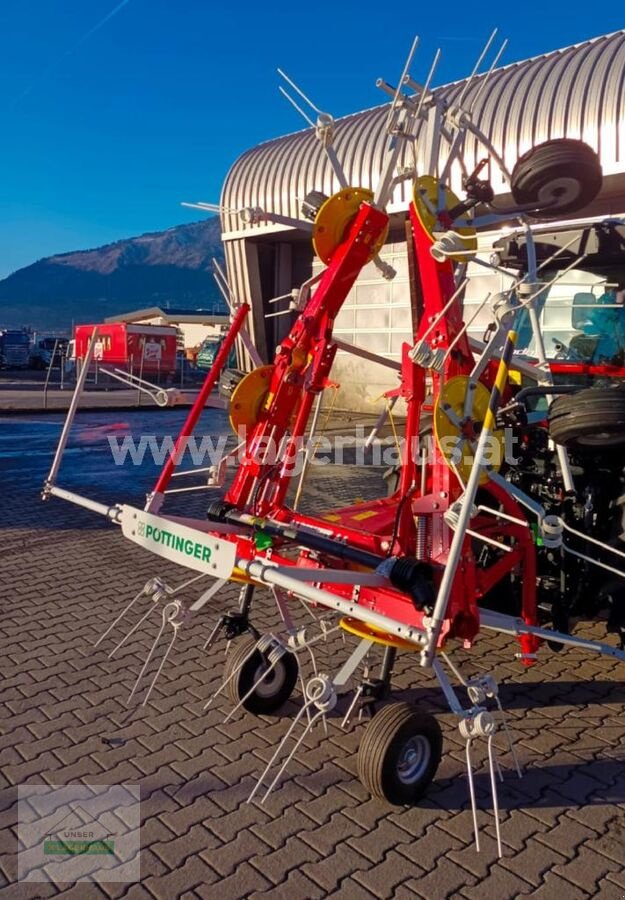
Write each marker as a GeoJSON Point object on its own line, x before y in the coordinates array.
{"type": "Point", "coordinates": [590, 420]}
{"type": "Point", "coordinates": [246, 666]}
{"type": "Point", "coordinates": [399, 754]}
{"type": "Point", "coordinates": [559, 177]}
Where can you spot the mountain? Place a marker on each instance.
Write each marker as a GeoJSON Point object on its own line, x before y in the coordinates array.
{"type": "Point", "coordinates": [167, 267]}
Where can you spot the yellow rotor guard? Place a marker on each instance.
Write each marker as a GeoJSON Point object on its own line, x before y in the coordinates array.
{"type": "Point", "coordinates": [427, 188]}
{"type": "Point", "coordinates": [375, 634]}
{"type": "Point", "coordinates": [333, 219]}
{"type": "Point", "coordinates": [248, 397]}
{"type": "Point", "coordinates": [457, 442]}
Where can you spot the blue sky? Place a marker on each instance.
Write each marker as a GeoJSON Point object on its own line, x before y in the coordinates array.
{"type": "Point", "coordinates": [106, 129]}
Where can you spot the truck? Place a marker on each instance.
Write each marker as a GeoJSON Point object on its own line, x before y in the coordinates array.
{"type": "Point", "coordinates": [14, 348]}
{"type": "Point", "coordinates": [44, 349]}
{"type": "Point", "coordinates": [209, 349]}
{"type": "Point", "coordinates": [148, 351]}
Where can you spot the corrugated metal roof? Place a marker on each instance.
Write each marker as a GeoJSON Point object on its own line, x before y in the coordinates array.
{"type": "Point", "coordinates": [576, 92]}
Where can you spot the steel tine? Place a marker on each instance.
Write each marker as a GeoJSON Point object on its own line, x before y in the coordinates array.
{"type": "Point", "coordinates": [231, 676]}
{"type": "Point", "coordinates": [296, 106]}
{"type": "Point", "coordinates": [120, 616]}
{"type": "Point", "coordinates": [350, 709]}
{"type": "Point", "coordinates": [401, 82]}
{"type": "Point", "coordinates": [303, 687]}
{"type": "Point", "coordinates": [476, 67]}
{"type": "Point", "coordinates": [313, 660]}
{"type": "Point", "coordinates": [148, 657]}
{"type": "Point", "coordinates": [258, 681]}
{"type": "Point", "coordinates": [132, 630]}
{"type": "Point", "coordinates": [493, 785]}
{"type": "Point", "coordinates": [428, 81]}
{"type": "Point", "coordinates": [276, 752]}
{"type": "Point", "coordinates": [299, 91]}
{"type": "Point", "coordinates": [213, 634]}
{"type": "Point", "coordinates": [163, 661]}
{"type": "Point", "coordinates": [498, 56]}
{"type": "Point", "coordinates": [476, 829]}
{"type": "Point", "coordinates": [319, 714]}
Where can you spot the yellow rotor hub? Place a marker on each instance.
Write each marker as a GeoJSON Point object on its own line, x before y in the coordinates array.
{"type": "Point", "coordinates": [431, 198]}
{"type": "Point", "coordinates": [375, 634]}
{"type": "Point", "coordinates": [457, 426]}
{"type": "Point", "coordinates": [333, 219]}
{"type": "Point", "coordinates": [248, 398]}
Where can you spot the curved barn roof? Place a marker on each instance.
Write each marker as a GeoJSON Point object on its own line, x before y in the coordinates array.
{"type": "Point", "coordinates": [576, 92]}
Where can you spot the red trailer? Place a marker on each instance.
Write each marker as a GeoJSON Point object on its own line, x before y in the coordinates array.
{"type": "Point", "coordinates": [146, 350]}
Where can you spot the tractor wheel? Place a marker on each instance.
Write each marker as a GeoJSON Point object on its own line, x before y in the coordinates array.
{"type": "Point", "coordinates": [590, 420]}
{"type": "Point", "coordinates": [559, 176]}
{"type": "Point", "coordinates": [272, 692]}
{"type": "Point", "coordinates": [399, 754]}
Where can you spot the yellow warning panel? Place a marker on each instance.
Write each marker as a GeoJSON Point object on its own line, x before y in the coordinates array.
{"type": "Point", "coordinates": [431, 198]}
{"type": "Point", "coordinates": [456, 434]}
{"type": "Point", "coordinates": [378, 635]}
{"type": "Point", "coordinates": [248, 397]}
{"type": "Point", "coordinates": [334, 217]}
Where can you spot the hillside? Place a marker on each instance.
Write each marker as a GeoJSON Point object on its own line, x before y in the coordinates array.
{"type": "Point", "coordinates": [167, 267]}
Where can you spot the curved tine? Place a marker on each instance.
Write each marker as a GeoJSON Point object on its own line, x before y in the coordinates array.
{"type": "Point", "coordinates": [252, 689]}
{"type": "Point", "coordinates": [511, 747]}
{"type": "Point", "coordinates": [493, 785]}
{"type": "Point", "coordinates": [472, 795]}
{"type": "Point", "coordinates": [276, 752]}
{"type": "Point", "coordinates": [231, 676]}
{"type": "Point", "coordinates": [313, 660]}
{"type": "Point", "coordinates": [303, 687]}
{"type": "Point", "coordinates": [132, 630]}
{"type": "Point", "coordinates": [149, 656]}
{"type": "Point", "coordinates": [120, 616]}
{"type": "Point", "coordinates": [294, 750]}
{"type": "Point", "coordinates": [163, 661]}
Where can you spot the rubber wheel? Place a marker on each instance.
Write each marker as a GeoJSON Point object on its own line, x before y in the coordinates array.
{"type": "Point", "coordinates": [589, 420]}
{"type": "Point", "coordinates": [399, 754]}
{"type": "Point", "coordinates": [563, 170]}
{"type": "Point", "coordinates": [272, 692]}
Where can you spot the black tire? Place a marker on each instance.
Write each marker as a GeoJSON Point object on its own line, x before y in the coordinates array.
{"type": "Point", "coordinates": [591, 420]}
{"type": "Point", "coordinates": [563, 170]}
{"type": "Point", "coordinates": [399, 754]}
{"type": "Point", "coordinates": [271, 693]}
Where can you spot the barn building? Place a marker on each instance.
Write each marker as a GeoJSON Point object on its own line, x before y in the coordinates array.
{"type": "Point", "coordinates": [576, 92]}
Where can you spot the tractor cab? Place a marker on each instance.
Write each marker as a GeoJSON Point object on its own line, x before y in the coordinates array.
{"type": "Point", "coordinates": [582, 307]}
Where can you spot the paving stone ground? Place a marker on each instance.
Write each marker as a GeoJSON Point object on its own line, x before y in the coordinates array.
{"type": "Point", "coordinates": [65, 576]}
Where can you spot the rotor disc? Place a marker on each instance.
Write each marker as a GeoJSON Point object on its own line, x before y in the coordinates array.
{"type": "Point", "coordinates": [333, 219]}
{"type": "Point", "coordinates": [457, 434]}
{"type": "Point", "coordinates": [248, 397]}
{"type": "Point", "coordinates": [427, 195]}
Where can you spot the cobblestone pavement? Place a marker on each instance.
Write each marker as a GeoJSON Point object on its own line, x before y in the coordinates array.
{"type": "Point", "coordinates": [319, 834]}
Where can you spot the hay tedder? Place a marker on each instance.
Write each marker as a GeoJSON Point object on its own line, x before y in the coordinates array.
{"type": "Point", "coordinates": [465, 540]}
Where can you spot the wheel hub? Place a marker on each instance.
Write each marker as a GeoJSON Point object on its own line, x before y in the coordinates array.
{"type": "Point", "coordinates": [413, 759]}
